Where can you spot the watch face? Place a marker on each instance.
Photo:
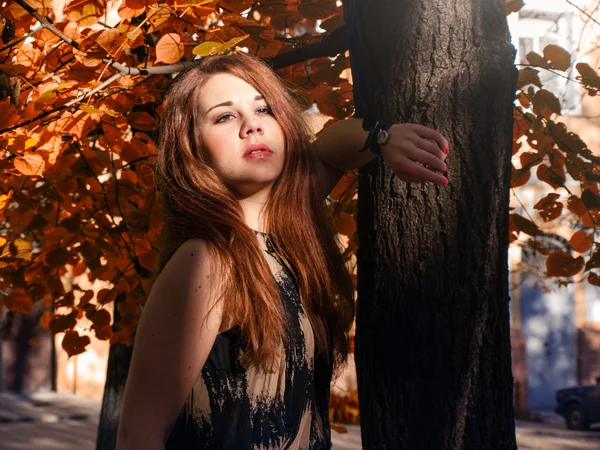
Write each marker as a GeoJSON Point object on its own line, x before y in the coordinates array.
{"type": "Point", "coordinates": [382, 137]}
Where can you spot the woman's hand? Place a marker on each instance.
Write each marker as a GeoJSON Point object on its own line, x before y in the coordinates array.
{"type": "Point", "coordinates": [416, 153]}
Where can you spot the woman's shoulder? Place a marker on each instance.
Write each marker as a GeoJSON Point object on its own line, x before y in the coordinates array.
{"type": "Point", "coordinates": [193, 264]}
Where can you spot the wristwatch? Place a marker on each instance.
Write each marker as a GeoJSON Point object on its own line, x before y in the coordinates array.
{"type": "Point", "coordinates": [378, 134]}
{"type": "Point", "coordinates": [383, 137]}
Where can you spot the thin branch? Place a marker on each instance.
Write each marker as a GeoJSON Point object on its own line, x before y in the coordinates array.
{"type": "Point", "coordinates": [585, 13]}
{"type": "Point", "coordinates": [66, 105]}
{"type": "Point", "coordinates": [17, 41]}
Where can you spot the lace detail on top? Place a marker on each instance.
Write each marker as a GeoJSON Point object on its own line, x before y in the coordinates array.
{"type": "Point", "coordinates": [236, 408]}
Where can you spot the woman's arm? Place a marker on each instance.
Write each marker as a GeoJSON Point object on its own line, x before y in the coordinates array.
{"type": "Point", "coordinates": [174, 337]}
{"type": "Point", "coordinates": [410, 152]}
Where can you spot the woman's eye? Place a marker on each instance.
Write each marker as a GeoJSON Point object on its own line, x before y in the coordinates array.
{"type": "Point", "coordinates": [265, 110]}
{"type": "Point", "coordinates": [224, 116]}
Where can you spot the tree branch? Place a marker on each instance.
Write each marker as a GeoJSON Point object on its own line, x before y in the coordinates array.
{"type": "Point", "coordinates": [14, 42]}
{"type": "Point", "coordinates": [332, 44]}
{"type": "Point", "coordinates": [585, 13]}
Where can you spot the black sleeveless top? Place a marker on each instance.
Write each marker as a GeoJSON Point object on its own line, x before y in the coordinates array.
{"type": "Point", "coordinates": [236, 408]}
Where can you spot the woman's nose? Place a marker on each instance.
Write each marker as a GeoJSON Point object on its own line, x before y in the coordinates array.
{"type": "Point", "coordinates": [251, 126]}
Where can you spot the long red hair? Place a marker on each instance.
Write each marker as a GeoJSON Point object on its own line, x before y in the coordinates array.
{"type": "Point", "coordinates": [198, 204]}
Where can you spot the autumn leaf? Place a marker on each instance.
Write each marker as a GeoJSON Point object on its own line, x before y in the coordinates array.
{"type": "Point", "coordinates": [13, 70]}
{"type": "Point", "coordinates": [85, 12]}
{"type": "Point", "coordinates": [561, 264]}
{"type": "Point", "coordinates": [519, 177]}
{"type": "Point", "coordinates": [546, 103]}
{"type": "Point", "coordinates": [30, 164]}
{"type": "Point", "coordinates": [169, 48]}
{"type": "Point", "coordinates": [558, 57]}
{"type": "Point", "coordinates": [317, 9]}
{"type": "Point", "coordinates": [593, 278]}
{"type": "Point", "coordinates": [5, 199]}
{"type": "Point", "coordinates": [588, 77]}
{"type": "Point", "coordinates": [74, 344]}
{"type": "Point", "coordinates": [576, 206]}
{"type": "Point", "coordinates": [525, 225]}
{"type": "Point", "coordinates": [212, 47]}
{"type": "Point", "coordinates": [528, 76]}
{"type": "Point", "coordinates": [513, 6]}
{"type": "Point", "coordinates": [581, 241]}
{"type": "Point", "coordinates": [92, 110]}
{"type": "Point", "coordinates": [18, 300]}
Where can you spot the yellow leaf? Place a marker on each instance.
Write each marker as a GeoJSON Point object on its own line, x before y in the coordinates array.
{"type": "Point", "coordinates": [21, 249]}
{"type": "Point", "coordinates": [85, 12]}
{"type": "Point", "coordinates": [31, 142]}
{"type": "Point", "coordinates": [169, 48]}
{"type": "Point", "coordinates": [4, 199]}
{"type": "Point", "coordinates": [47, 96]}
{"type": "Point", "coordinates": [2, 241]}
{"type": "Point", "coordinates": [211, 47]}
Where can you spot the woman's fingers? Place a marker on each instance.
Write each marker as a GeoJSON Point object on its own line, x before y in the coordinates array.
{"type": "Point", "coordinates": [429, 133]}
{"type": "Point", "coordinates": [410, 171]}
{"type": "Point", "coordinates": [426, 158]}
{"type": "Point", "coordinates": [430, 146]}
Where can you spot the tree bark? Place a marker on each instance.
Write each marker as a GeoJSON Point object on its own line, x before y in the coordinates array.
{"type": "Point", "coordinates": [119, 360]}
{"type": "Point", "coordinates": [433, 338]}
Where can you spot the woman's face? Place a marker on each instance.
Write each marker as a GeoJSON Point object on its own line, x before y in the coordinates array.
{"type": "Point", "coordinates": [241, 138]}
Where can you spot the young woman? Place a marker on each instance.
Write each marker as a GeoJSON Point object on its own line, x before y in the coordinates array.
{"type": "Point", "coordinates": [251, 311]}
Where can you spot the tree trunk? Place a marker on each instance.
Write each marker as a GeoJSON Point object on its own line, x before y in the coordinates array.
{"type": "Point", "coordinates": [433, 337]}
{"type": "Point", "coordinates": [119, 360]}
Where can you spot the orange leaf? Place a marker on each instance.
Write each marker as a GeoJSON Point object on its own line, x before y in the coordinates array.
{"type": "Point", "coordinates": [30, 164]}
{"type": "Point", "coordinates": [74, 344]}
{"type": "Point", "coordinates": [106, 296]}
{"type": "Point", "coordinates": [169, 48]}
{"type": "Point", "coordinates": [62, 322]}
{"type": "Point", "coordinates": [551, 212]}
{"type": "Point", "coordinates": [525, 225]}
{"type": "Point", "coordinates": [576, 206]}
{"type": "Point", "coordinates": [519, 177]}
{"type": "Point", "coordinates": [561, 264]}
{"type": "Point", "coordinates": [581, 241]}
{"type": "Point", "coordinates": [141, 121]}
{"type": "Point", "coordinates": [317, 9]}
{"type": "Point", "coordinates": [126, 12]}
{"type": "Point", "coordinates": [345, 224]}
{"type": "Point", "coordinates": [18, 301]}
{"type": "Point", "coordinates": [147, 256]}
{"type": "Point", "coordinates": [100, 318]}
{"type": "Point", "coordinates": [594, 279]}
{"type": "Point", "coordinates": [85, 12]}
{"type": "Point", "coordinates": [45, 319]}
{"type": "Point", "coordinates": [57, 257]}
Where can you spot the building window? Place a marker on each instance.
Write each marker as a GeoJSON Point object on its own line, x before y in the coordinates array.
{"type": "Point", "coordinates": [536, 29]}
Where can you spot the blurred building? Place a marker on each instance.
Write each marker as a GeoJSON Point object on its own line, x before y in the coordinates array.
{"type": "Point", "coordinates": [555, 330]}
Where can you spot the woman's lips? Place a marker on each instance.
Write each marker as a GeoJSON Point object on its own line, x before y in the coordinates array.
{"type": "Point", "coordinates": [257, 151]}
{"type": "Point", "coordinates": [258, 154]}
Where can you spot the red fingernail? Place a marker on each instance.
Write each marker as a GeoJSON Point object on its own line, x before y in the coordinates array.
{"type": "Point", "coordinates": [445, 181]}
{"type": "Point", "coordinates": [447, 151]}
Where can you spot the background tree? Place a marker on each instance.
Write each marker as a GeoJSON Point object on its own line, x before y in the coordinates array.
{"type": "Point", "coordinates": [432, 338]}
{"type": "Point", "coordinates": [81, 87]}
